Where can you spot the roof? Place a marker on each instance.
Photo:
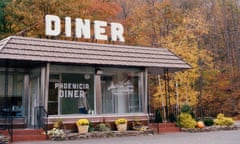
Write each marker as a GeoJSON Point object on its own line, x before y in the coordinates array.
{"type": "Point", "coordinates": [46, 50]}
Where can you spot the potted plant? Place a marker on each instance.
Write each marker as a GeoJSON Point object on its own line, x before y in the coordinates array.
{"type": "Point", "coordinates": [121, 124]}
{"type": "Point", "coordinates": [83, 125]}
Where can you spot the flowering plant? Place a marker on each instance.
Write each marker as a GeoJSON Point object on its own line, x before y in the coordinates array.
{"type": "Point", "coordinates": [4, 139]}
{"type": "Point", "coordinates": [120, 121]}
{"type": "Point", "coordinates": [58, 124]}
{"type": "Point", "coordinates": [56, 132]}
{"type": "Point", "coordinates": [81, 122]}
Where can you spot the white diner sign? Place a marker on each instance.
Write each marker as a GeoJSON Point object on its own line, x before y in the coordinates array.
{"type": "Point", "coordinates": [83, 28]}
{"type": "Point", "coordinates": [71, 90]}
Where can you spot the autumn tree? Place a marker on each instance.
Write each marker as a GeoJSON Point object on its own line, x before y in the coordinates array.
{"type": "Point", "coordinates": [205, 33]}
{"type": "Point", "coordinates": [163, 24]}
{"type": "Point", "coordinates": [222, 40]}
{"type": "Point", "coordinates": [131, 16]}
{"type": "Point", "coordinates": [27, 17]}
{"type": "Point", "coordinates": [4, 25]}
{"type": "Point", "coordinates": [218, 40]}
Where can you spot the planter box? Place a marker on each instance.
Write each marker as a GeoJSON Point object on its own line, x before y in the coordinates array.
{"type": "Point", "coordinates": [163, 127]}
{"type": "Point", "coordinates": [122, 127]}
{"type": "Point", "coordinates": [83, 129]}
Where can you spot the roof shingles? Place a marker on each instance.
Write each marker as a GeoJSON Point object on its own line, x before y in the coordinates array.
{"type": "Point", "coordinates": [23, 48]}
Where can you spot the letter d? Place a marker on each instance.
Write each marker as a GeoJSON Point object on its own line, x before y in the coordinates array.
{"type": "Point", "coordinates": [52, 25]}
{"type": "Point", "coordinates": [60, 93]}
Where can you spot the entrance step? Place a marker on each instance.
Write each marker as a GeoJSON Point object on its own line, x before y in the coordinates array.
{"type": "Point", "coordinates": [26, 135]}
{"type": "Point", "coordinates": [164, 127]}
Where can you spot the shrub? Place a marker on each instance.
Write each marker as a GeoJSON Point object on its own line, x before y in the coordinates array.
{"type": "Point", "coordinates": [221, 120]}
{"type": "Point", "coordinates": [172, 117]}
{"type": "Point", "coordinates": [102, 127]}
{"type": "Point", "coordinates": [91, 127]}
{"type": "Point", "coordinates": [58, 124]}
{"type": "Point", "coordinates": [186, 121]}
{"type": "Point", "coordinates": [158, 117]}
{"type": "Point", "coordinates": [187, 109]}
{"type": "Point", "coordinates": [208, 121]}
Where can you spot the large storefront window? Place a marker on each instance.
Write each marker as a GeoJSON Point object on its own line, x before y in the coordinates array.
{"type": "Point", "coordinates": [71, 90]}
{"type": "Point", "coordinates": [78, 90]}
{"type": "Point", "coordinates": [13, 97]}
{"type": "Point", "coordinates": [122, 90]}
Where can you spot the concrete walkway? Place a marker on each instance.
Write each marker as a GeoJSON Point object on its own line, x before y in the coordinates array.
{"type": "Point", "coordinates": [217, 137]}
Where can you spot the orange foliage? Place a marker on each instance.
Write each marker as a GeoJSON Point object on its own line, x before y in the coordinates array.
{"type": "Point", "coordinates": [202, 33]}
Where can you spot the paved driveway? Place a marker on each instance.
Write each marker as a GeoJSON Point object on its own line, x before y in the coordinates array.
{"type": "Point", "coordinates": [217, 137]}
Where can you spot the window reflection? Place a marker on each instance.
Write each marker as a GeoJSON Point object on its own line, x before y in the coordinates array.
{"type": "Point", "coordinates": [121, 91]}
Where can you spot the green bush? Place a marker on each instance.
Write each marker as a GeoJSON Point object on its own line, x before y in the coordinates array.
{"type": "Point", "coordinates": [208, 121]}
{"type": "Point", "coordinates": [91, 127]}
{"type": "Point", "coordinates": [158, 116]}
{"type": "Point", "coordinates": [187, 109]}
{"type": "Point", "coordinates": [186, 121]}
{"type": "Point", "coordinates": [102, 127]}
{"type": "Point", "coordinates": [172, 117]}
{"type": "Point", "coordinates": [221, 120]}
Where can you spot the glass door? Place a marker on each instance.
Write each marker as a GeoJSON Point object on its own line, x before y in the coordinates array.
{"type": "Point", "coordinates": [33, 98]}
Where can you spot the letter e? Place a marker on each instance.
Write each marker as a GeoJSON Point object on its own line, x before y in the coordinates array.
{"type": "Point", "coordinates": [99, 30]}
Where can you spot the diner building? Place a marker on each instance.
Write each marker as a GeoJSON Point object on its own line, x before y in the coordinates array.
{"type": "Point", "coordinates": [44, 75]}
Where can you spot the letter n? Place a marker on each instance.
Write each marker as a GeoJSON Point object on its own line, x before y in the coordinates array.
{"type": "Point", "coordinates": [82, 28]}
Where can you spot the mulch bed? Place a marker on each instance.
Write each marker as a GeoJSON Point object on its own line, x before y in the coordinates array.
{"type": "Point", "coordinates": [210, 128]}
{"type": "Point", "coordinates": [101, 134]}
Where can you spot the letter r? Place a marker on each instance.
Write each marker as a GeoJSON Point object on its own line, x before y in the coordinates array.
{"type": "Point", "coordinates": [117, 32]}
